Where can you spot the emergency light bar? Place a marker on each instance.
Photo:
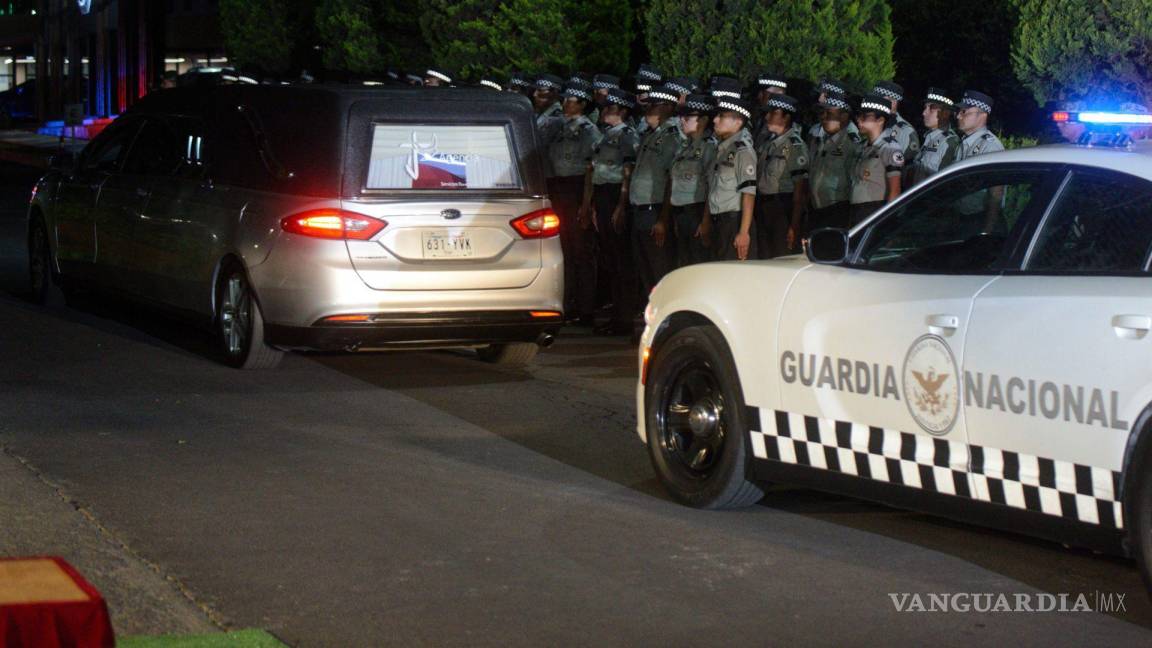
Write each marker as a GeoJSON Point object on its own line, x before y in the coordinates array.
{"type": "Point", "coordinates": [1117, 118]}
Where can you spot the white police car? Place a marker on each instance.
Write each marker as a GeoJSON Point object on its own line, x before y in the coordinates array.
{"type": "Point", "coordinates": [979, 348]}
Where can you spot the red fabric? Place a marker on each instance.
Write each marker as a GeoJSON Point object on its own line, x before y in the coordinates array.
{"type": "Point", "coordinates": [48, 624]}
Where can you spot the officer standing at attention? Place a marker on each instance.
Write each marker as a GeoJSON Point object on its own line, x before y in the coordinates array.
{"type": "Point", "coordinates": [830, 170]}
{"type": "Point", "coordinates": [601, 84]}
{"type": "Point", "coordinates": [648, 187]}
{"type": "Point", "coordinates": [647, 77]}
{"type": "Point", "coordinates": [732, 183]}
{"type": "Point", "coordinates": [549, 112]}
{"type": "Point", "coordinates": [522, 83]}
{"type": "Point", "coordinates": [973, 121]}
{"type": "Point", "coordinates": [570, 154]}
{"type": "Point", "coordinates": [879, 162]}
{"type": "Point", "coordinates": [782, 185]}
{"type": "Point", "coordinates": [607, 203]}
{"type": "Point", "coordinates": [768, 86]}
{"type": "Point", "coordinates": [904, 133]}
{"type": "Point", "coordinates": [689, 173]}
{"type": "Point", "coordinates": [941, 143]}
{"type": "Point", "coordinates": [437, 78]}
{"type": "Point", "coordinates": [825, 88]}
{"type": "Point", "coordinates": [682, 86]}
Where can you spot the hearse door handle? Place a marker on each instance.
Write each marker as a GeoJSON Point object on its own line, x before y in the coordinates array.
{"type": "Point", "coordinates": [942, 324]}
{"type": "Point", "coordinates": [1131, 327]}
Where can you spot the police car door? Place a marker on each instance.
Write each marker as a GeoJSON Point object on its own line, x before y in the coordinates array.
{"type": "Point", "coordinates": [870, 351]}
{"type": "Point", "coordinates": [1056, 367]}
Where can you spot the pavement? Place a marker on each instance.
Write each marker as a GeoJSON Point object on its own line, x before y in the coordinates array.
{"type": "Point", "coordinates": [427, 498]}
{"type": "Point", "coordinates": [32, 149]}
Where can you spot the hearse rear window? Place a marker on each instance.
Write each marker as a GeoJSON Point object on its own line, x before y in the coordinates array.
{"type": "Point", "coordinates": [441, 157]}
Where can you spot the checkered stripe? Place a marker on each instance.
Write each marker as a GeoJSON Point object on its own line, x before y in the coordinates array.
{"type": "Point", "coordinates": [939, 98]}
{"type": "Point", "coordinates": [1054, 487]}
{"type": "Point", "coordinates": [887, 94]}
{"type": "Point", "coordinates": [976, 103]}
{"type": "Point", "coordinates": [782, 105]}
{"type": "Point", "coordinates": [490, 84]}
{"type": "Point", "coordinates": [869, 105]}
{"type": "Point", "coordinates": [772, 83]}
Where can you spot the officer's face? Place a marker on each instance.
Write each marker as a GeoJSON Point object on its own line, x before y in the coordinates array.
{"type": "Point", "coordinates": [778, 121]}
{"type": "Point", "coordinates": [432, 82]}
{"type": "Point", "coordinates": [601, 96]}
{"type": "Point", "coordinates": [833, 119]}
{"type": "Point", "coordinates": [931, 115]}
{"type": "Point", "coordinates": [612, 115]}
{"type": "Point", "coordinates": [727, 123]}
{"type": "Point", "coordinates": [870, 124]}
{"type": "Point", "coordinates": [573, 107]}
{"type": "Point", "coordinates": [693, 124]}
{"type": "Point", "coordinates": [543, 97]}
{"type": "Point", "coordinates": [970, 119]}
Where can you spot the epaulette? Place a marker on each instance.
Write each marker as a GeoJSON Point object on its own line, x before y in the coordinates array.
{"type": "Point", "coordinates": [739, 144]}
{"type": "Point", "coordinates": [986, 135]}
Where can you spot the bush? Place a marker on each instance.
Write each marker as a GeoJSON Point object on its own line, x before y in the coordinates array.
{"type": "Point", "coordinates": [256, 35]}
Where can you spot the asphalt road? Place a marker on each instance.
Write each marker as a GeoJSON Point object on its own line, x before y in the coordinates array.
{"type": "Point", "coordinates": [425, 498]}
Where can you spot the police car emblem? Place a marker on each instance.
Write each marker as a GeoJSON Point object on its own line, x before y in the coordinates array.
{"type": "Point", "coordinates": [932, 385]}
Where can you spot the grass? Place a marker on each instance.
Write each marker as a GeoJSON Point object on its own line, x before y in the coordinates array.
{"type": "Point", "coordinates": [237, 639]}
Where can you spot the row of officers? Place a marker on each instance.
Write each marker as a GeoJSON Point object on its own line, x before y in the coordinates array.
{"type": "Point", "coordinates": [672, 175]}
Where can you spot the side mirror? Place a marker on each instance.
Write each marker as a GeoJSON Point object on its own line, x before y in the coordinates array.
{"type": "Point", "coordinates": [62, 161]}
{"type": "Point", "coordinates": [828, 245]}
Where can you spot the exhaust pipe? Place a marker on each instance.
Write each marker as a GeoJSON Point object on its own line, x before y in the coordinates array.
{"type": "Point", "coordinates": [545, 340]}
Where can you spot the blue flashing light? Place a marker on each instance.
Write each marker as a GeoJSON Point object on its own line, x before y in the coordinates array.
{"type": "Point", "coordinates": [1101, 117]}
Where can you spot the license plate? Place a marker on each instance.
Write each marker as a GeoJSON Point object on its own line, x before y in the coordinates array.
{"type": "Point", "coordinates": [443, 245]}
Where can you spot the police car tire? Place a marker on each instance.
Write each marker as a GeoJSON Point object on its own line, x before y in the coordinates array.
{"type": "Point", "coordinates": [726, 486]}
{"type": "Point", "coordinates": [1140, 514]}
{"type": "Point", "coordinates": [512, 354]}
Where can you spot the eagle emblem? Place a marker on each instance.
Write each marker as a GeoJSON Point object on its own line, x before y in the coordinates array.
{"type": "Point", "coordinates": [931, 391]}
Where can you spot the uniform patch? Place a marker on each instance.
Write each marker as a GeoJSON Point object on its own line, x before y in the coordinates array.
{"type": "Point", "coordinates": [750, 169]}
{"type": "Point", "coordinates": [801, 160]}
{"type": "Point", "coordinates": [898, 157]}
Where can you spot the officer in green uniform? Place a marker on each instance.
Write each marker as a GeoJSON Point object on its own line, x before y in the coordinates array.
{"type": "Point", "coordinates": [607, 202]}
{"type": "Point", "coordinates": [768, 85]}
{"type": "Point", "coordinates": [522, 83]}
{"type": "Point", "coordinates": [824, 89]}
{"type": "Point", "coordinates": [648, 187]}
{"type": "Point", "coordinates": [647, 77]}
{"type": "Point", "coordinates": [830, 164]}
{"type": "Point", "coordinates": [682, 86]}
{"type": "Point", "coordinates": [904, 133]}
{"type": "Point", "coordinates": [601, 84]}
{"type": "Point", "coordinates": [782, 184]}
{"type": "Point", "coordinates": [689, 173]}
{"type": "Point", "coordinates": [941, 143]}
{"type": "Point", "coordinates": [732, 183]}
{"type": "Point", "coordinates": [879, 162]}
{"type": "Point", "coordinates": [437, 78]}
{"type": "Point", "coordinates": [570, 155]}
{"type": "Point", "coordinates": [972, 117]}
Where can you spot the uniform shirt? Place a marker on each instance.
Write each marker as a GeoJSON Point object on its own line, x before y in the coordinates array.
{"type": "Point", "coordinates": [653, 161]}
{"type": "Point", "coordinates": [906, 137]}
{"type": "Point", "coordinates": [875, 163]}
{"type": "Point", "coordinates": [615, 150]}
{"type": "Point", "coordinates": [979, 142]}
{"type": "Point", "coordinates": [690, 170]}
{"type": "Point", "coordinates": [548, 124]}
{"type": "Point", "coordinates": [571, 148]}
{"type": "Point", "coordinates": [816, 135]}
{"type": "Point", "coordinates": [939, 150]}
{"type": "Point", "coordinates": [733, 173]}
{"type": "Point", "coordinates": [831, 168]}
{"type": "Point", "coordinates": [783, 159]}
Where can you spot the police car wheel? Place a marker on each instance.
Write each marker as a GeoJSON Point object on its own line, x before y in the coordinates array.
{"type": "Point", "coordinates": [697, 432]}
{"type": "Point", "coordinates": [1140, 516]}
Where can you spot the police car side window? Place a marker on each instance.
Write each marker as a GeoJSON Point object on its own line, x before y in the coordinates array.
{"type": "Point", "coordinates": [959, 225]}
{"type": "Point", "coordinates": [1101, 223]}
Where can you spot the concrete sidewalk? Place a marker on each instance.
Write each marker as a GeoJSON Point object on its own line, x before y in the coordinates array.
{"type": "Point", "coordinates": [33, 149]}
{"type": "Point", "coordinates": [39, 518]}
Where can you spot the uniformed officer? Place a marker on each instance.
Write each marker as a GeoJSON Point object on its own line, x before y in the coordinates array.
{"type": "Point", "coordinates": [782, 180]}
{"type": "Point", "coordinates": [648, 187]}
{"type": "Point", "coordinates": [972, 118]}
{"type": "Point", "coordinates": [437, 78]}
{"type": "Point", "coordinates": [879, 162]}
{"type": "Point", "coordinates": [768, 85]}
{"type": "Point", "coordinates": [647, 77]}
{"type": "Point", "coordinates": [941, 143]}
{"type": "Point", "coordinates": [601, 84]}
{"type": "Point", "coordinates": [570, 154]}
{"type": "Point", "coordinates": [683, 86]}
{"type": "Point", "coordinates": [604, 198]}
{"type": "Point", "coordinates": [825, 88]}
{"type": "Point", "coordinates": [904, 133]}
{"type": "Point", "coordinates": [830, 164]}
{"type": "Point", "coordinates": [689, 174]}
{"type": "Point", "coordinates": [546, 97]}
{"type": "Point", "coordinates": [732, 183]}
{"type": "Point", "coordinates": [726, 87]}
{"type": "Point", "coordinates": [522, 83]}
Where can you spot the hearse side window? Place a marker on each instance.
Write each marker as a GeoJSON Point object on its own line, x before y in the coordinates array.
{"type": "Point", "coordinates": [441, 157]}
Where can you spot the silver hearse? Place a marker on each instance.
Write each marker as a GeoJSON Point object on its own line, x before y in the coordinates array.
{"type": "Point", "coordinates": [314, 217]}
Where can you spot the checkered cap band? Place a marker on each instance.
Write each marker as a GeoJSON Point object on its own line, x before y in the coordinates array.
{"type": "Point", "coordinates": [1074, 492]}
{"type": "Point", "coordinates": [828, 86]}
{"type": "Point", "coordinates": [773, 104]}
{"type": "Point", "coordinates": [520, 81]}
{"type": "Point", "coordinates": [836, 102]}
{"type": "Point", "coordinates": [939, 98]}
{"type": "Point", "coordinates": [439, 75]}
{"type": "Point", "coordinates": [643, 87]}
{"type": "Point", "coordinates": [663, 96]}
{"type": "Point", "coordinates": [699, 106]}
{"type": "Point", "coordinates": [725, 93]}
{"type": "Point", "coordinates": [772, 83]}
{"type": "Point", "coordinates": [976, 103]}
{"type": "Point", "coordinates": [579, 93]}
{"type": "Point", "coordinates": [728, 105]}
{"type": "Point", "coordinates": [620, 101]}
{"type": "Point", "coordinates": [604, 85]}
{"type": "Point", "coordinates": [648, 75]}
{"type": "Point", "coordinates": [547, 83]}
{"type": "Point", "coordinates": [872, 105]}
{"type": "Point", "coordinates": [887, 94]}
{"type": "Point", "coordinates": [677, 87]}
{"type": "Point", "coordinates": [490, 84]}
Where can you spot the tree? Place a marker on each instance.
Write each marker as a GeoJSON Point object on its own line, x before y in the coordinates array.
{"type": "Point", "coordinates": [256, 35]}
{"type": "Point", "coordinates": [806, 39]}
{"type": "Point", "coordinates": [475, 37]}
{"type": "Point", "coordinates": [350, 43]}
{"type": "Point", "coordinates": [1098, 50]}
